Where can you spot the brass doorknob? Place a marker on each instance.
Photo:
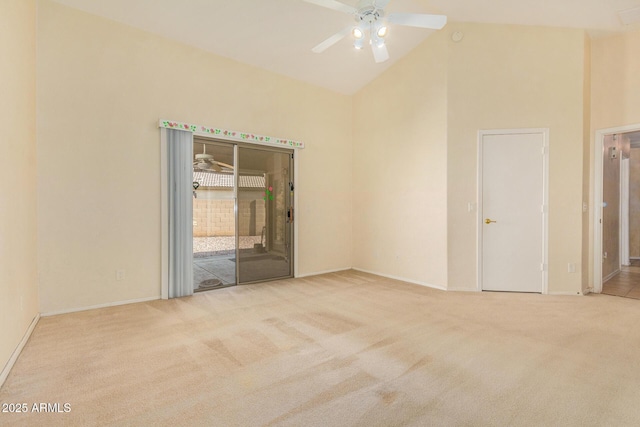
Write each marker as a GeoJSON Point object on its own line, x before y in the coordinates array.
{"type": "Point", "coordinates": [488, 221]}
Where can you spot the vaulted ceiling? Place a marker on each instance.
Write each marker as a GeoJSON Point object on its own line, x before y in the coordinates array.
{"type": "Point", "coordinates": [277, 35]}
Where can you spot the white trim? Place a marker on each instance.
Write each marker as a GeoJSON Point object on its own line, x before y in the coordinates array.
{"type": "Point", "coordinates": [236, 211]}
{"type": "Point", "coordinates": [93, 307]}
{"type": "Point", "coordinates": [461, 289]}
{"type": "Point", "coordinates": [566, 293]}
{"type": "Point", "coordinates": [545, 200]}
{"type": "Point", "coordinates": [545, 216]}
{"type": "Point", "coordinates": [479, 212]}
{"type": "Point", "coordinates": [317, 273]}
{"type": "Point", "coordinates": [402, 279]}
{"type": "Point", "coordinates": [598, 172]}
{"type": "Point", "coordinates": [598, 159]}
{"type": "Point", "coordinates": [16, 353]}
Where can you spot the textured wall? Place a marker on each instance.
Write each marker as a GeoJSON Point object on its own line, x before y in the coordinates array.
{"type": "Point", "coordinates": [18, 277]}
{"type": "Point", "coordinates": [102, 87]}
{"type": "Point", "coordinates": [505, 77]}
{"type": "Point", "coordinates": [400, 154]}
{"type": "Point", "coordinates": [615, 88]}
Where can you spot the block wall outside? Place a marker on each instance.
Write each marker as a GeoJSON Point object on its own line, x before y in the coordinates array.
{"type": "Point", "coordinates": [213, 218]}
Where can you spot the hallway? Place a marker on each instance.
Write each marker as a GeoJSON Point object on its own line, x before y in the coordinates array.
{"type": "Point", "coordinates": [626, 283]}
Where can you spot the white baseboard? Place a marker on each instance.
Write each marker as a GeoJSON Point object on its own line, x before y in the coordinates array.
{"type": "Point", "coordinates": [12, 360]}
{"type": "Point", "coordinates": [610, 276]}
{"type": "Point", "coordinates": [92, 307]}
{"type": "Point", "coordinates": [456, 289]}
{"type": "Point", "coordinates": [300, 276]}
{"type": "Point", "coordinates": [565, 293]}
{"type": "Point", "coordinates": [403, 279]}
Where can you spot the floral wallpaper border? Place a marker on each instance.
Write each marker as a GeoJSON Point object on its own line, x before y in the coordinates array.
{"type": "Point", "coordinates": [231, 134]}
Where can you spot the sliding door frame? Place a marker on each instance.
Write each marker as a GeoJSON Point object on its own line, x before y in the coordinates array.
{"type": "Point", "coordinates": [164, 202]}
{"type": "Point", "coordinates": [292, 253]}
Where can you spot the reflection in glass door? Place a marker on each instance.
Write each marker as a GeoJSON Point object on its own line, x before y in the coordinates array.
{"type": "Point", "coordinates": [214, 225]}
{"type": "Point", "coordinates": [265, 210]}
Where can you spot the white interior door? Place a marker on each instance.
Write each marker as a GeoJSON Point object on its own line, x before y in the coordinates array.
{"type": "Point", "coordinates": [512, 212]}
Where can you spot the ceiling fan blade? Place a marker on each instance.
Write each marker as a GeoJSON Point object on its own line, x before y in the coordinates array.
{"type": "Point", "coordinates": [224, 165]}
{"type": "Point", "coordinates": [335, 5]}
{"type": "Point", "coordinates": [434, 22]}
{"type": "Point", "coordinates": [380, 53]}
{"type": "Point", "coordinates": [380, 4]}
{"type": "Point", "coordinates": [331, 40]}
{"type": "Point", "coordinates": [215, 167]}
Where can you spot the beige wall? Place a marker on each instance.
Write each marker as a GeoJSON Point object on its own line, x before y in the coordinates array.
{"type": "Point", "coordinates": [399, 164]}
{"type": "Point", "coordinates": [415, 148]}
{"type": "Point", "coordinates": [407, 142]}
{"type": "Point", "coordinates": [615, 87]}
{"type": "Point", "coordinates": [102, 87]}
{"type": "Point", "coordinates": [615, 81]}
{"type": "Point", "coordinates": [18, 278]}
{"type": "Point", "coordinates": [503, 77]}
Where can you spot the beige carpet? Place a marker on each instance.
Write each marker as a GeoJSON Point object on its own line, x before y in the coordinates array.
{"type": "Point", "coordinates": [337, 350]}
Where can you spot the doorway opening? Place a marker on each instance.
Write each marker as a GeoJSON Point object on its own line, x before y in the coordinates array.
{"type": "Point", "coordinates": [242, 214]}
{"type": "Point", "coordinates": [617, 212]}
{"type": "Point", "coordinates": [214, 222]}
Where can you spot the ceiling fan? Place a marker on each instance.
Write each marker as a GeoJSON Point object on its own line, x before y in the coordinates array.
{"type": "Point", "coordinates": [370, 18]}
{"type": "Point", "coordinates": [205, 162]}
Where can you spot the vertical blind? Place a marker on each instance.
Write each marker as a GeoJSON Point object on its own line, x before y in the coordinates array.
{"type": "Point", "coordinates": [180, 181]}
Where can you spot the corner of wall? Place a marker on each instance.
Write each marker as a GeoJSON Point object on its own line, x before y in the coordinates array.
{"type": "Point", "coordinates": [400, 167]}
{"type": "Point", "coordinates": [18, 180]}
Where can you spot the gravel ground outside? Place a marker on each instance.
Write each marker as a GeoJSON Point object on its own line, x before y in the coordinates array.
{"type": "Point", "coordinates": [209, 246]}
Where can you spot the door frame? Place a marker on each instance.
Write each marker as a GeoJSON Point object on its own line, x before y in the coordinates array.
{"type": "Point", "coordinates": [164, 204]}
{"type": "Point", "coordinates": [598, 198]}
{"type": "Point", "coordinates": [544, 132]}
{"type": "Point", "coordinates": [293, 253]}
{"type": "Point", "coordinates": [625, 228]}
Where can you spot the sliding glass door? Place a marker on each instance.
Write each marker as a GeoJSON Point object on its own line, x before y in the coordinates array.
{"type": "Point", "coordinates": [265, 210]}
{"type": "Point", "coordinates": [242, 214]}
{"type": "Point", "coordinates": [214, 223]}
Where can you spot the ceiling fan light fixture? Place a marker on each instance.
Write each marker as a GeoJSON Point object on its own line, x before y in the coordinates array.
{"type": "Point", "coordinates": [204, 166]}
{"type": "Point", "coordinates": [376, 40]}
{"type": "Point", "coordinates": [371, 24]}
